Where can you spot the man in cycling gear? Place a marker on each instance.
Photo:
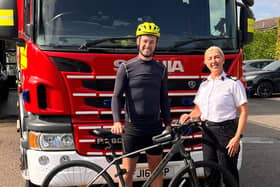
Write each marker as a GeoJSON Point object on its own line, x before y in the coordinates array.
{"type": "Point", "coordinates": [144, 82]}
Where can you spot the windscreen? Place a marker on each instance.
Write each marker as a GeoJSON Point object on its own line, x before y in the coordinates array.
{"type": "Point", "coordinates": [184, 24]}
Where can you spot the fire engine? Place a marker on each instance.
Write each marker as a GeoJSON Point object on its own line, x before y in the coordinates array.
{"type": "Point", "coordinates": [68, 52]}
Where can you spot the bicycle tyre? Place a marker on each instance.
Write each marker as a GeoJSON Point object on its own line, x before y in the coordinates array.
{"type": "Point", "coordinates": [182, 178]}
{"type": "Point", "coordinates": [76, 173]}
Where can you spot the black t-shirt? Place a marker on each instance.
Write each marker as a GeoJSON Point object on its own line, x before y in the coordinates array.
{"type": "Point", "coordinates": [146, 95]}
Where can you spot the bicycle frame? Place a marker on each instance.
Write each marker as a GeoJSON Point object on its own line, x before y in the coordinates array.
{"type": "Point", "coordinates": [177, 147]}
{"type": "Point", "coordinates": [174, 137]}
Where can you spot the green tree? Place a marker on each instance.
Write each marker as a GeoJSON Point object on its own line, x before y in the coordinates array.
{"type": "Point", "coordinates": [263, 45]}
{"type": "Point", "coordinates": [277, 48]}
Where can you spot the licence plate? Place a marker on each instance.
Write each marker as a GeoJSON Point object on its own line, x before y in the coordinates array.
{"type": "Point", "coordinates": [143, 173]}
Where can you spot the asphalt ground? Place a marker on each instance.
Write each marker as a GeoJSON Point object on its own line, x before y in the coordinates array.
{"type": "Point", "coordinates": [265, 116]}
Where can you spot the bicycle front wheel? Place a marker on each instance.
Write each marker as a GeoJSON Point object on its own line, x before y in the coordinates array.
{"type": "Point", "coordinates": [77, 173]}
{"type": "Point", "coordinates": [209, 174]}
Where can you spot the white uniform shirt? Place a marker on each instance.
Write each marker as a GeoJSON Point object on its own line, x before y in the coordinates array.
{"type": "Point", "coordinates": [218, 99]}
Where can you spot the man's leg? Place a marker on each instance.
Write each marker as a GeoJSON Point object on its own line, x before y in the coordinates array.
{"type": "Point", "coordinates": [153, 161]}
{"type": "Point", "coordinates": [129, 164]}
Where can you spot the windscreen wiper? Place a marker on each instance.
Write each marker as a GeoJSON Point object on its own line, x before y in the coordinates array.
{"type": "Point", "coordinates": [93, 43]}
{"type": "Point", "coordinates": [191, 40]}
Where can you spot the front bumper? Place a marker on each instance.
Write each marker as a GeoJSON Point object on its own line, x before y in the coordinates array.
{"type": "Point", "coordinates": [37, 172]}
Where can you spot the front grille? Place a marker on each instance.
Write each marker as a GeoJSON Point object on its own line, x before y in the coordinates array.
{"type": "Point", "coordinates": [109, 117]}
{"type": "Point", "coordinates": [105, 102]}
{"type": "Point", "coordinates": [181, 101]}
{"type": "Point", "coordinates": [178, 84]}
{"type": "Point", "coordinates": [100, 102]}
{"type": "Point", "coordinates": [89, 145]}
{"type": "Point", "coordinates": [173, 84]}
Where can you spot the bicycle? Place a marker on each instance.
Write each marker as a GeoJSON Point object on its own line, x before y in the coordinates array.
{"type": "Point", "coordinates": [194, 174]}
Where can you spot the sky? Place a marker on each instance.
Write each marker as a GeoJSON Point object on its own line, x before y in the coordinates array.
{"type": "Point", "coordinates": [264, 9]}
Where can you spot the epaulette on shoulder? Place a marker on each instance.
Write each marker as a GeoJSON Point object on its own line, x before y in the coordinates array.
{"type": "Point", "coordinates": [203, 80]}
{"type": "Point", "coordinates": [232, 77]}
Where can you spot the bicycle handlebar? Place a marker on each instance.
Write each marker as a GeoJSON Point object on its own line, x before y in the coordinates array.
{"type": "Point", "coordinates": [177, 130]}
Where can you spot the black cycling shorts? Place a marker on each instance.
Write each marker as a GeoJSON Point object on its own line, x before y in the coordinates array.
{"type": "Point", "coordinates": [133, 143]}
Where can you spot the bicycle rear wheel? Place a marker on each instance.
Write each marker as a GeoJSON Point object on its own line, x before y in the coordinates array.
{"type": "Point", "coordinates": [77, 173]}
{"type": "Point", "coordinates": [209, 174]}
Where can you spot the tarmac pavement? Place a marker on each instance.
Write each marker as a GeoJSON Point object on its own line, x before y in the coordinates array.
{"type": "Point", "coordinates": [265, 116]}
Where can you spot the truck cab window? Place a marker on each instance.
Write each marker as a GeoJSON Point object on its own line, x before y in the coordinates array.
{"type": "Point", "coordinates": [72, 23]}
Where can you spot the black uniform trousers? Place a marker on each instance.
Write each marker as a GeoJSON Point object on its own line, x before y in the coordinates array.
{"type": "Point", "coordinates": [217, 136]}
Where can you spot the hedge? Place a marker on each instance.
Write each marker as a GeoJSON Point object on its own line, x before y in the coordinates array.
{"type": "Point", "coordinates": [263, 45]}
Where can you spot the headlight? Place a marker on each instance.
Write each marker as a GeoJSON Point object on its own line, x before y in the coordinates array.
{"type": "Point", "coordinates": [250, 77]}
{"type": "Point", "coordinates": [50, 141]}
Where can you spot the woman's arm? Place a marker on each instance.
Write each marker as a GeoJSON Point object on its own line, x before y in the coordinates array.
{"type": "Point", "coordinates": [195, 113]}
{"type": "Point", "coordinates": [233, 145]}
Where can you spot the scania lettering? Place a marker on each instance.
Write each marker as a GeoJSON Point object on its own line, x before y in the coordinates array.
{"type": "Point", "coordinates": [68, 52]}
{"type": "Point", "coordinates": [172, 65]}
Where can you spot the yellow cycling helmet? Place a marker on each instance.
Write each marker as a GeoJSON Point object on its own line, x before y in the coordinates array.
{"type": "Point", "coordinates": [148, 28]}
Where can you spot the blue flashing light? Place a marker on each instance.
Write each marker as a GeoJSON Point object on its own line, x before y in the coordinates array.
{"type": "Point", "coordinates": [107, 103]}
{"type": "Point", "coordinates": [26, 96]}
{"type": "Point", "coordinates": [187, 101]}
